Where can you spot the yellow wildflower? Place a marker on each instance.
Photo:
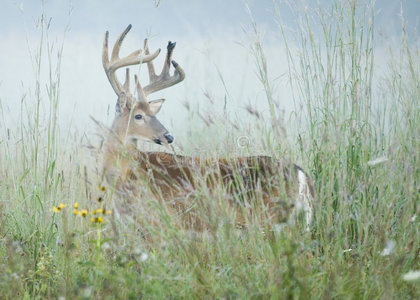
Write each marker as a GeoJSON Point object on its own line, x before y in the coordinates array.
{"type": "Point", "coordinates": [75, 212]}
{"type": "Point", "coordinates": [83, 213]}
{"type": "Point", "coordinates": [93, 212]}
{"type": "Point", "coordinates": [97, 220]}
{"type": "Point", "coordinates": [102, 211]}
{"type": "Point", "coordinates": [76, 205]}
{"type": "Point", "coordinates": [102, 188]}
{"type": "Point", "coordinates": [58, 208]}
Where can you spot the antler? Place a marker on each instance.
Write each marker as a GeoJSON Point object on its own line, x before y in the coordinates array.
{"type": "Point", "coordinates": [156, 83]}
{"type": "Point", "coordinates": [116, 62]}
{"type": "Point", "coordinates": [164, 80]}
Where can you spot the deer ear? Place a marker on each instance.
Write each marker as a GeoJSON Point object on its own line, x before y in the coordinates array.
{"type": "Point", "coordinates": [155, 106]}
{"type": "Point", "coordinates": [123, 103]}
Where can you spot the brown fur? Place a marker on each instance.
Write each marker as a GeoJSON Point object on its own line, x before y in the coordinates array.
{"type": "Point", "coordinates": [250, 183]}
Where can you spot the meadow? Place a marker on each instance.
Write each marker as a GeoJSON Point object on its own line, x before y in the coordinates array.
{"type": "Point", "coordinates": [355, 129]}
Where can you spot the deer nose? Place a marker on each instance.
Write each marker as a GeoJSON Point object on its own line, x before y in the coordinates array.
{"type": "Point", "coordinates": [169, 138]}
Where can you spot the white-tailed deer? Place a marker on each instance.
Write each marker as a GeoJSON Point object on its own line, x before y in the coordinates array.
{"type": "Point", "coordinates": [173, 178]}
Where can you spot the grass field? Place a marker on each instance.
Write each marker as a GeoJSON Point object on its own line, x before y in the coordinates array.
{"type": "Point", "coordinates": [355, 129]}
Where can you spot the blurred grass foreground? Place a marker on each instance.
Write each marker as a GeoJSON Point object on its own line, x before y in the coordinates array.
{"type": "Point", "coordinates": [355, 129]}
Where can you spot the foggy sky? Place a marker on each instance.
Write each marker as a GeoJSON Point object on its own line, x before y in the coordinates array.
{"type": "Point", "coordinates": [212, 38]}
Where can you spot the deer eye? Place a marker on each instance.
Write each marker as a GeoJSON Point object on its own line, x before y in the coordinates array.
{"type": "Point", "coordinates": [138, 117]}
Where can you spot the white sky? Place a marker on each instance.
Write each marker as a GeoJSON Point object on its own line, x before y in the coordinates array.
{"type": "Point", "coordinates": [210, 36]}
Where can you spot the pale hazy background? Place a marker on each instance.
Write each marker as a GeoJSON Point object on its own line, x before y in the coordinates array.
{"type": "Point", "coordinates": [213, 46]}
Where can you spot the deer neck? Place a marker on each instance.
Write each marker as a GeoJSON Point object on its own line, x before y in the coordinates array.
{"type": "Point", "coordinates": [118, 154]}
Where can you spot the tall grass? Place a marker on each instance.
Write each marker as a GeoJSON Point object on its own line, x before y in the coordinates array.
{"type": "Point", "coordinates": [357, 135]}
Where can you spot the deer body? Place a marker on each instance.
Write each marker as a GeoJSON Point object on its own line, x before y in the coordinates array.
{"type": "Point", "coordinates": [173, 178]}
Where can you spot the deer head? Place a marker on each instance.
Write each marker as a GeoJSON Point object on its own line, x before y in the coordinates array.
{"type": "Point", "coordinates": [136, 116]}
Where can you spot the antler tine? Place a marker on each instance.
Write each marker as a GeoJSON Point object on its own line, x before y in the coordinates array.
{"type": "Point", "coordinates": [141, 96]}
{"type": "Point", "coordinates": [150, 66]}
{"type": "Point", "coordinates": [106, 64]}
{"type": "Point", "coordinates": [105, 58]}
{"type": "Point", "coordinates": [118, 43]}
{"type": "Point", "coordinates": [164, 80]}
{"type": "Point", "coordinates": [116, 62]}
{"type": "Point", "coordinates": [126, 85]}
{"type": "Point", "coordinates": [132, 59]}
